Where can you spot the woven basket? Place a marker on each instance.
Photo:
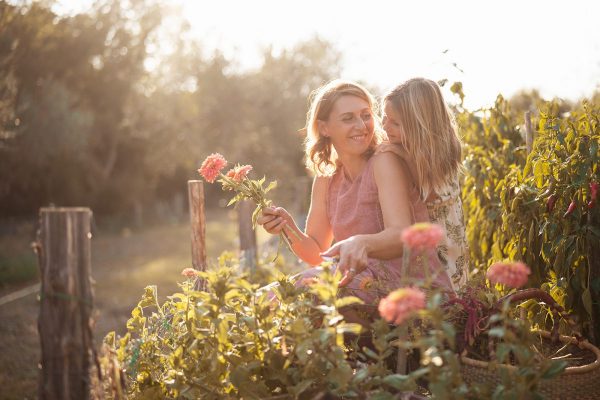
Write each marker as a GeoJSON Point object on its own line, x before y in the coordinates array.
{"type": "Point", "coordinates": [575, 383]}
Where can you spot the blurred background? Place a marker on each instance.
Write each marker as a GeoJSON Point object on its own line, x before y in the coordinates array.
{"type": "Point", "coordinates": [114, 104]}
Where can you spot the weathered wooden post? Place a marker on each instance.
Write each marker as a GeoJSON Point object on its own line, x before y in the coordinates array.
{"type": "Point", "coordinates": [64, 253]}
{"type": "Point", "coordinates": [528, 132]}
{"type": "Point", "coordinates": [198, 225]}
{"type": "Point", "coordinates": [248, 254]}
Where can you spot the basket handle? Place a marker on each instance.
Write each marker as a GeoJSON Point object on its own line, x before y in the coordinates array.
{"type": "Point", "coordinates": [556, 309]}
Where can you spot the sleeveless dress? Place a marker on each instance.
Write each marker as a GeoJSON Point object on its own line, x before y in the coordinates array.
{"type": "Point", "coordinates": [444, 209]}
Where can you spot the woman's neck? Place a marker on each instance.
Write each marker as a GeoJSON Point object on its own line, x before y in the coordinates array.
{"type": "Point", "coordinates": [353, 165]}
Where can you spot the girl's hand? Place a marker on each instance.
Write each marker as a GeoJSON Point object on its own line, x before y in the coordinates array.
{"type": "Point", "coordinates": [352, 255]}
{"type": "Point", "coordinates": [274, 219]}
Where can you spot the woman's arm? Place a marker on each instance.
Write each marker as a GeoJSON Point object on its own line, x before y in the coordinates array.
{"type": "Point", "coordinates": [319, 234]}
{"type": "Point", "coordinates": [393, 187]}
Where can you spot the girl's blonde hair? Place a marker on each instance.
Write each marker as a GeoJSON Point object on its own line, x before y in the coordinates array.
{"type": "Point", "coordinates": [430, 134]}
{"type": "Point", "coordinates": [321, 157]}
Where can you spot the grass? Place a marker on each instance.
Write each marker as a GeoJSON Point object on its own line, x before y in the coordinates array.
{"type": "Point", "coordinates": [18, 269]}
{"type": "Point", "coordinates": [18, 263]}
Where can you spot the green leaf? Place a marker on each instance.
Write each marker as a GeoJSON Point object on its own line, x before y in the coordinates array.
{"type": "Point", "coordinates": [234, 199]}
{"type": "Point", "coordinates": [239, 376]}
{"type": "Point", "coordinates": [361, 375]}
{"type": "Point", "coordinates": [301, 387]}
{"type": "Point", "coordinates": [223, 328]}
{"type": "Point", "coordinates": [497, 332]}
{"type": "Point", "coordinates": [325, 309]}
{"type": "Point", "coordinates": [348, 300]}
{"type": "Point", "coordinates": [502, 350]}
{"type": "Point", "coordinates": [349, 328]}
{"type": "Point", "coordinates": [272, 185]}
{"type": "Point", "coordinates": [341, 375]}
{"type": "Point", "coordinates": [149, 297]}
{"type": "Point", "coordinates": [397, 381]}
{"type": "Point", "coordinates": [370, 353]}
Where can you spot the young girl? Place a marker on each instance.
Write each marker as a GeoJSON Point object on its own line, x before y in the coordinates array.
{"type": "Point", "coordinates": [355, 192]}
{"type": "Point", "coordinates": [421, 130]}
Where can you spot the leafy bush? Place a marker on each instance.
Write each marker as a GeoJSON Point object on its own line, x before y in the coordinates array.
{"type": "Point", "coordinates": [283, 341]}
{"type": "Point", "coordinates": [538, 208]}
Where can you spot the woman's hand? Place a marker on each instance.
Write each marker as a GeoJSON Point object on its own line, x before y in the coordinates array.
{"type": "Point", "coordinates": [274, 219]}
{"type": "Point", "coordinates": [352, 253]}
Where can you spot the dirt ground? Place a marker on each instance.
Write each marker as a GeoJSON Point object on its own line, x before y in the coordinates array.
{"type": "Point", "coordinates": [122, 264]}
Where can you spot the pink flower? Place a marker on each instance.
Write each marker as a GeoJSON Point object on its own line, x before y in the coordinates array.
{"type": "Point", "coordinates": [212, 166]}
{"type": "Point", "coordinates": [422, 236]}
{"type": "Point", "coordinates": [189, 272]}
{"type": "Point", "coordinates": [399, 304]}
{"type": "Point", "coordinates": [238, 173]}
{"type": "Point", "coordinates": [510, 274]}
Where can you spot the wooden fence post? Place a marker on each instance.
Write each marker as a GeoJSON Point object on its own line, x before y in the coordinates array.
{"type": "Point", "coordinates": [248, 253]}
{"type": "Point", "coordinates": [198, 225]}
{"type": "Point", "coordinates": [64, 323]}
{"type": "Point", "coordinates": [528, 132]}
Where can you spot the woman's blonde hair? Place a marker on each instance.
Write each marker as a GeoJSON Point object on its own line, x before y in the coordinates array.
{"type": "Point", "coordinates": [430, 134]}
{"type": "Point", "coordinates": [321, 157]}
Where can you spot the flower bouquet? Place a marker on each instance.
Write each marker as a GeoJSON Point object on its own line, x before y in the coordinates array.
{"type": "Point", "coordinates": [236, 180]}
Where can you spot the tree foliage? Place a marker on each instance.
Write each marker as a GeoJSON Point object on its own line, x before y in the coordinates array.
{"type": "Point", "coordinates": [86, 121]}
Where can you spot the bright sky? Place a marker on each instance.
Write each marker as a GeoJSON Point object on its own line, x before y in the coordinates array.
{"type": "Point", "coordinates": [502, 46]}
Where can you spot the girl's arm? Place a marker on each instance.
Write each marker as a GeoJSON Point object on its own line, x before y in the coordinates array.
{"type": "Point", "coordinates": [318, 236]}
{"type": "Point", "coordinates": [393, 187]}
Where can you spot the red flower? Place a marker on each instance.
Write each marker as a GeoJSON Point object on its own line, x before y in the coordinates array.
{"type": "Point", "coordinates": [399, 304]}
{"type": "Point", "coordinates": [510, 274]}
{"type": "Point", "coordinates": [239, 172]}
{"type": "Point", "coordinates": [422, 236]}
{"type": "Point", "coordinates": [212, 166]}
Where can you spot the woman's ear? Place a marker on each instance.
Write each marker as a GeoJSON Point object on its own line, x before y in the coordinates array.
{"type": "Point", "coordinates": [322, 127]}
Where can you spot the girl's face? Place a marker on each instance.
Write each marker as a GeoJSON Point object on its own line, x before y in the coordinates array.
{"type": "Point", "coordinates": [350, 126]}
{"type": "Point", "coordinates": [391, 124]}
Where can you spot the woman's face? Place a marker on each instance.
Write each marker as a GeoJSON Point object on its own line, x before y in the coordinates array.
{"type": "Point", "coordinates": [391, 124]}
{"type": "Point", "coordinates": [350, 126]}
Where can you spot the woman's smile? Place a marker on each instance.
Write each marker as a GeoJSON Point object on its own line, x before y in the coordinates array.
{"type": "Point", "coordinates": [360, 137]}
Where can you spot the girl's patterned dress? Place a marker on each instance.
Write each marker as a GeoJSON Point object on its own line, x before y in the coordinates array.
{"type": "Point", "coordinates": [445, 209]}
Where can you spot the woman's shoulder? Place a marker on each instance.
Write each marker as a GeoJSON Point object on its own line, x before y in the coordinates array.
{"type": "Point", "coordinates": [322, 180]}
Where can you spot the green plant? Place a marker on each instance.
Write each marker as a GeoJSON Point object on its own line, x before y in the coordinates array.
{"type": "Point", "coordinates": [540, 208]}
{"type": "Point", "coordinates": [284, 341]}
